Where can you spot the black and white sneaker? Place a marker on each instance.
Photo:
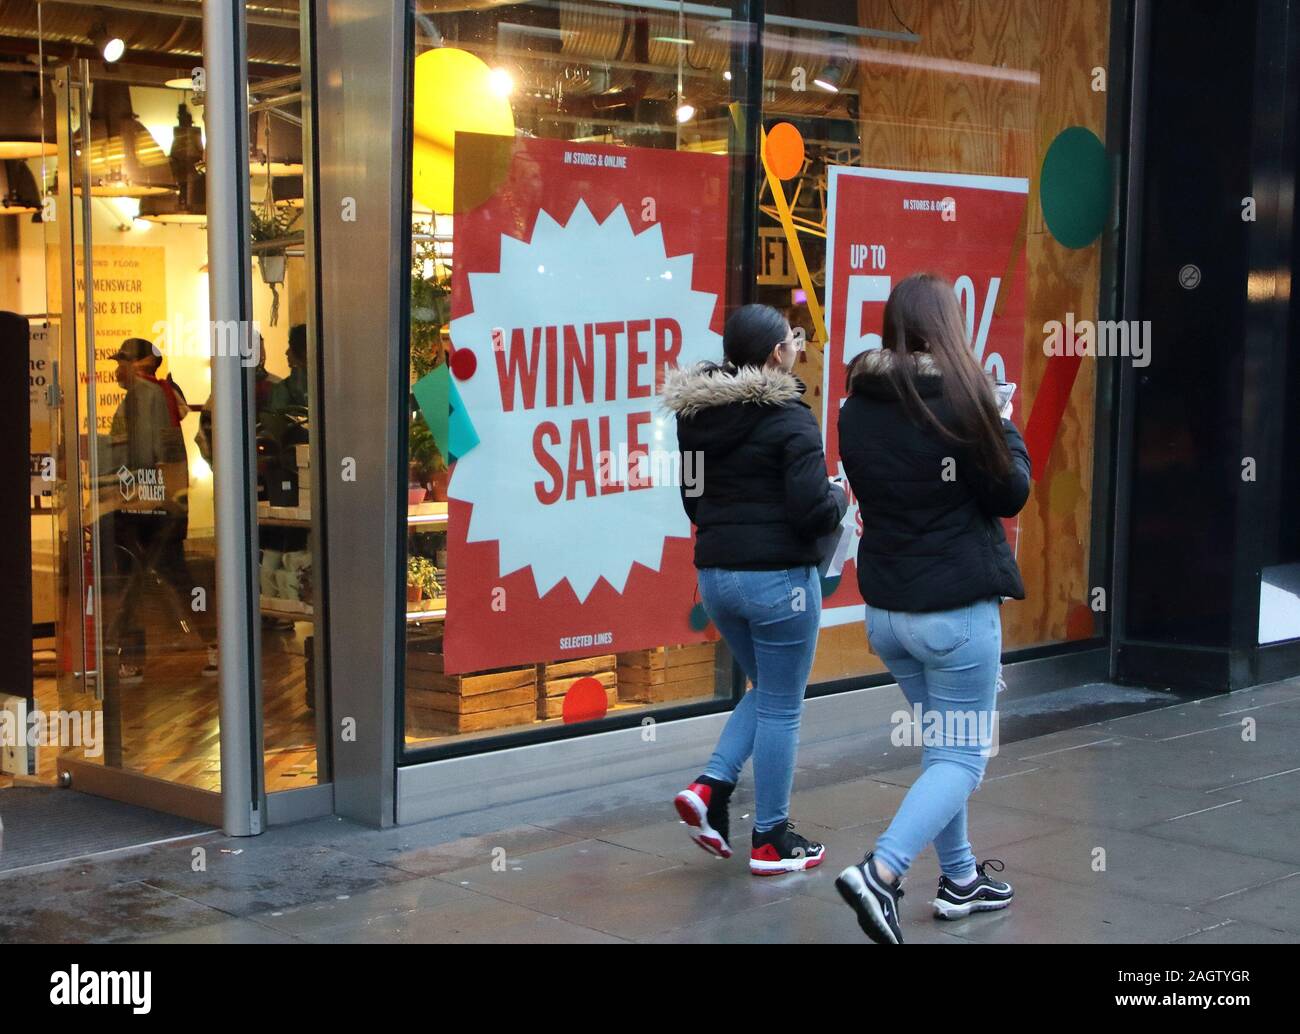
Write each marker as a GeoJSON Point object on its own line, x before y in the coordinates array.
{"type": "Point", "coordinates": [780, 849]}
{"type": "Point", "coordinates": [874, 901]}
{"type": "Point", "coordinates": [705, 808]}
{"type": "Point", "coordinates": [983, 894]}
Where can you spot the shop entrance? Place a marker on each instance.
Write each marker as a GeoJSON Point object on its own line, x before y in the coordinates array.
{"type": "Point", "coordinates": [125, 703]}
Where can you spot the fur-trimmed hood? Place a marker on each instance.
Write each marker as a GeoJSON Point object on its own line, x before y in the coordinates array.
{"type": "Point", "coordinates": [869, 373]}
{"type": "Point", "coordinates": [694, 389]}
{"type": "Point", "coordinates": [720, 408]}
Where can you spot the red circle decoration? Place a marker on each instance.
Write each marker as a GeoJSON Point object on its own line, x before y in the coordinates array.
{"type": "Point", "coordinates": [1079, 623]}
{"type": "Point", "coordinates": [585, 701]}
{"type": "Point", "coordinates": [463, 363]}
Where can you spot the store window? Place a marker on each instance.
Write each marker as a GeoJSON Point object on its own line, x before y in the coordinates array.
{"type": "Point", "coordinates": [570, 240]}
{"type": "Point", "coordinates": [968, 140]}
{"type": "Point", "coordinates": [565, 157]}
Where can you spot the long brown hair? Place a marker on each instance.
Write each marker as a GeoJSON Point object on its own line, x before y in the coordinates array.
{"type": "Point", "coordinates": [922, 315]}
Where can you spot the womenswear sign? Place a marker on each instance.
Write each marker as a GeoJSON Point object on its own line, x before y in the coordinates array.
{"type": "Point", "coordinates": [886, 224]}
{"type": "Point", "coordinates": [585, 275]}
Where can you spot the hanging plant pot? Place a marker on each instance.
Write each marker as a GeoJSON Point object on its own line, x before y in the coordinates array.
{"type": "Point", "coordinates": [272, 267]}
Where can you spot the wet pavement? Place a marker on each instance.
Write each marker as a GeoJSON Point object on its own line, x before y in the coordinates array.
{"type": "Point", "coordinates": [1157, 821]}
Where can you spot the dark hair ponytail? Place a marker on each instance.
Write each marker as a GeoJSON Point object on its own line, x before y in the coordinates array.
{"type": "Point", "coordinates": [922, 315]}
{"type": "Point", "coordinates": [752, 331]}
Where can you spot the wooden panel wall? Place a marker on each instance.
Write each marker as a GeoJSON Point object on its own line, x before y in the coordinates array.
{"type": "Point", "coordinates": [934, 115]}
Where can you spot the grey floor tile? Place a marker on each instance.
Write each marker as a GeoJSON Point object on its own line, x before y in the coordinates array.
{"type": "Point", "coordinates": [475, 919]}
{"type": "Point", "coordinates": [1052, 911]}
{"type": "Point", "coordinates": [1274, 793]}
{"type": "Point", "coordinates": [123, 911]}
{"type": "Point", "coordinates": [1235, 824]}
{"type": "Point", "coordinates": [229, 931]}
{"type": "Point", "coordinates": [1234, 931]}
{"type": "Point", "coordinates": [1139, 866]}
{"type": "Point", "coordinates": [846, 804]}
{"type": "Point", "coordinates": [505, 846]}
{"type": "Point", "coordinates": [1194, 762]}
{"type": "Point", "coordinates": [1275, 904]}
{"type": "Point", "coordinates": [586, 868]}
{"type": "Point", "coordinates": [273, 876]}
{"type": "Point", "coordinates": [800, 919]}
{"type": "Point", "coordinates": [660, 901]}
{"type": "Point", "coordinates": [1089, 797]}
{"type": "Point", "coordinates": [346, 909]}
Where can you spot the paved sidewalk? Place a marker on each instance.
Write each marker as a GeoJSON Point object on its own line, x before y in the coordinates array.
{"type": "Point", "coordinates": [1158, 823]}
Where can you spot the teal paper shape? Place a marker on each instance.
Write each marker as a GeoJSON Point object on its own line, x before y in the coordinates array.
{"type": "Point", "coordinates": [444, 411]}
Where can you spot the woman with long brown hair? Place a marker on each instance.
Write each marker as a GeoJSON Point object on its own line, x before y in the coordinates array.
{"type": "Point", "coordinates": [934, 465]}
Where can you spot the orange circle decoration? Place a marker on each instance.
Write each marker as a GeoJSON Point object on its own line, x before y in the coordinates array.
{"type": "Point", "coordinates": [585, 701]}
{"type": "Point", "coordinates": [785, 151]}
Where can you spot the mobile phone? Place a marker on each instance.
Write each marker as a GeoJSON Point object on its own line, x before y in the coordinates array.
{"type": "Point", "coordinates": [1003, 391]}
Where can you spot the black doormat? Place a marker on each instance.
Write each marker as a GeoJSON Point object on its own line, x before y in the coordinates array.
{"type": "Point", "coordinates": [50, 825]}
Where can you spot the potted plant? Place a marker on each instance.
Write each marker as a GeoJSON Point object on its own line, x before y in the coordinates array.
{"type": "Point", "coordinates": [421, 579]}
{"type": "Point", "coordinates": [269, 223]}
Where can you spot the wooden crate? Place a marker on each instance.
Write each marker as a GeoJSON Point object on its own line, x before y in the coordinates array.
{"type": "Point", "coordinates": [554, 680]}
{"type": "Point", "coordinates": [438, 704]}
{"type": "Point", "coordinates": [667, 673]}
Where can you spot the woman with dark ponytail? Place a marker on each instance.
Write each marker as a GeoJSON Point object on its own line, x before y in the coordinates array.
{"type": "Point", "coordinates": [934, 465]}
{"type": "Point", "coordinates": [765, 500]}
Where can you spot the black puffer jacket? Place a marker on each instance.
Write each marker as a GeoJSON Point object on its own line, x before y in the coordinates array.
{"type": "Point", "coordinates": [927, 543]}
{"type": "Point", "coordinates": [765, 494]}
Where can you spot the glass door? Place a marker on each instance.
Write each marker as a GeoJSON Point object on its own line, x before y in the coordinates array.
{"type": "Point", "coordinates": [136, 627]}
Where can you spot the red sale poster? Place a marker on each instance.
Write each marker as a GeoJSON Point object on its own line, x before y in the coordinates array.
{"type": "Point", "coordinates": [584, 275]}
{"type": "Point", "coordinates": [886, 224]}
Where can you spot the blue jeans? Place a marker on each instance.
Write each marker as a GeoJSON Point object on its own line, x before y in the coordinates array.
{"type": "Point", "coordinates": [770, 621]}
{"type": "Point", "coordinates": [946, 662]}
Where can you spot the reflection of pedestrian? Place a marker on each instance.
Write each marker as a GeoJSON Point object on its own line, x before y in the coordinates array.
{"type": "Point", "coordinates": [146, 498]}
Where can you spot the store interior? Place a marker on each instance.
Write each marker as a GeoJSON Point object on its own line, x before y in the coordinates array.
{"type": "Point", "coordinates": [145, 664]}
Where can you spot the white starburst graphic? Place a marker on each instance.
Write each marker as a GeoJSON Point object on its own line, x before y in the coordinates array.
{"type": "Point", "coordinates": [574, 274]}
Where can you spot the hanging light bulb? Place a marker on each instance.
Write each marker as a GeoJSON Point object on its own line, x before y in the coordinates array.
{"type": "Point", "coordinates": [685, 112]}
{"type": "Point", "coordinates": [18, 193]}
{"type": "Point", "coordinates": [188, 204]}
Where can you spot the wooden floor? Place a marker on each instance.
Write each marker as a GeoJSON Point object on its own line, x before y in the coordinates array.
{"type": "Point", "coordinates": [170, 726]}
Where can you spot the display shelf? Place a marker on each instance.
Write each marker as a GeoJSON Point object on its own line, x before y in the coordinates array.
{"type": "Point", "coordinates": [295, 610]}
{"type": "Point", "coordinates": [427, 516]}
{"type": "Point", "coordinates": [432, 609]}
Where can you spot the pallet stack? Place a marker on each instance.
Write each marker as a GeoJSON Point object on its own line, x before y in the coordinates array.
{"type": "Point", "coordinates": [554, 680]}
{"type": "Point", "coordinates": [438, 704]}
{"type": "Point", "coordinates": [667, 673]}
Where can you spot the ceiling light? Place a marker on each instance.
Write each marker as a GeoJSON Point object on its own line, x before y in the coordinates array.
{"type": "Point", "coordinates": [500, 82]}
{"type": "Point", "coordinates": [111, 46]}
{"type": "Point", "coordinates": [685, 112]}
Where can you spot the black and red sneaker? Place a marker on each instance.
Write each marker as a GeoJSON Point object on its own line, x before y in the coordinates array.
{"type": "Point", "coordinates": [780, 849]}
{"type": "Point", "coordinates": [704, 807]}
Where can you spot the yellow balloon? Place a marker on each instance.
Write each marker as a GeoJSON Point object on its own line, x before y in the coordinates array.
{"type": "Point", "coordinates": [454, 93]}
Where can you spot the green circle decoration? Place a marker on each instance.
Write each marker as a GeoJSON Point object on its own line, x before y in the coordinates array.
{"type": "Point", "coordinates": [1074, 187]}
{"type": "Point", "coordinates": [829, 585]}
{"type": "Point", "coordinates": [699, 618]}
